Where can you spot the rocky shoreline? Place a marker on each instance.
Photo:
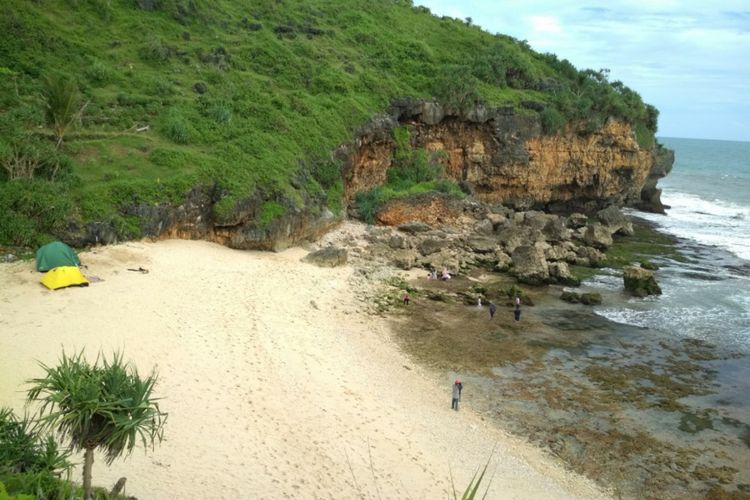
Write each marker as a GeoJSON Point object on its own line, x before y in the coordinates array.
{"type": "Point", "coordinates": [608, 399]}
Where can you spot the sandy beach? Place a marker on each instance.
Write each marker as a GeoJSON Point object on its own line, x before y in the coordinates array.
{"type": "Point", "coordinates": [277, 383]}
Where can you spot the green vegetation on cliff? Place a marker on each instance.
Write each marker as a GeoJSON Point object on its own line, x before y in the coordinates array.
{"type": "Point", "coordinates": [106, 105]}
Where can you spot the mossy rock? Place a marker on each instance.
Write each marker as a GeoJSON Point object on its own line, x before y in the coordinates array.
{"type": "Point", "coordinates": [640, 282]}
{"type": "Point", "coordinates": [589, 299]}
{"type": "Point", "coordinates": [647, 264]}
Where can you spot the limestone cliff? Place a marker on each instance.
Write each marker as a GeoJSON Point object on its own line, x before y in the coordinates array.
{"type": "Point", "coordinates": [502, 156]}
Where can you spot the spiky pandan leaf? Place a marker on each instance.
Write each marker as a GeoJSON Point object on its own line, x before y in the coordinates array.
{"type": "Point", "coordinates": [103, 405]}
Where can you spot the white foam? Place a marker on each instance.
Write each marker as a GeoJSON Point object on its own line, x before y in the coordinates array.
{"type": "Point", "coordinates": [715, 222]}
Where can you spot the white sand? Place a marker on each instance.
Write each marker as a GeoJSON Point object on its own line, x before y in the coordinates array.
{"type": "Point", "coordinates": [276, 385]}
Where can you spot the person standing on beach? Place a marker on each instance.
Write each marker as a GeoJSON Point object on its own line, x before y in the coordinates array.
{"type": "Point", "coordinates": [493, 309]}
{"type": "Point", "coordinates": [517, 312]}
{"type": "Point", "coordinates": [457, 387]}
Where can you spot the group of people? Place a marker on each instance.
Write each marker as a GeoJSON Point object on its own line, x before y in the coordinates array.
{"type": "Point", "coordinates": [445, 275]}
{"type": "Point", "coordinates": [493, 308]}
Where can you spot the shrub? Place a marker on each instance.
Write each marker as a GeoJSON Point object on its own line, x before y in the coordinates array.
{"type": "Point", "coordinates": [154, 50]}
{"type": "Point", "coordinates": [552, 120]}
{"type": "Point", "coordinates": [23, 448]}
{"type": "Point", "coordinates": [270, 211]}
{"type": "Point", "coordinates": [99, 73]}
{"type": "Point", "coordinates": [456, 86]}
{"type": "Point", "coordinates": [176, 128]}
{"type": "Point", "coordinates": [31, 211]}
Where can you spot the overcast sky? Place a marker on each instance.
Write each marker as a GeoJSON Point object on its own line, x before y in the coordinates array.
{"type": "Point", "coordinates": [690, 59]}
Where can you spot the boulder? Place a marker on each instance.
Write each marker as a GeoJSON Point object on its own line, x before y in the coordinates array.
{"type": "Point", "coordinates": [556, 252]}
{"type": "Point", "coordinates": [496, 219]}
{"type": "Point", "coordinates": [529, 265]}
{"type": "Point", "coordinates": [591, 257]}
{"type": "Point", "coordinates": [503, 261]}
{"type": "Point", "coordinates": [484, 226]}
{"type": "Point", "coordinates": [554, 230]}
{"type": "Point", "coordinates": [576, 220]}
{"type": "Point", "coordinates": [443, 259]}
{"type": "Point", "coordinates": [397, 241]}
{"type": "Point", "coordinates": [560, 272]}
{"type": "Point", "coordinates": [611, 216]}
{"type": "Point", "coordinates": [640, 282]}
{"type": "Point", "coordinates": [626, 229]}
{"type": "Point", "coordinates": [327, 257]}
{"type": "Point", "coordinates": [589, 299]}
{"type": "Point", "coordinates": [404, 259]}
{"type": "Point", "coordinates": [515, 236]}
{"type": "Point", "coordinates": [481, 244]}
{"type": "Point", "coordinates": [429, 246]}
{"type": "Point", "coordinates": [598, 236]}
{"type": "Point", "coordinates": [414, 227]}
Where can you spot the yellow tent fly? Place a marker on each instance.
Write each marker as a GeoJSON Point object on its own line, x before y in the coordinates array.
{"type": "Point", "coordinates": [63, 276]}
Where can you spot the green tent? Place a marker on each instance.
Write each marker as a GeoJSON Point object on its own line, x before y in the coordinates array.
{"type": "Point", "coordinates": [54, 255]}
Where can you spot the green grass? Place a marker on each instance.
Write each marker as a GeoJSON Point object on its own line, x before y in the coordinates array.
{"type": "Point", "coordinates": [231, 99]}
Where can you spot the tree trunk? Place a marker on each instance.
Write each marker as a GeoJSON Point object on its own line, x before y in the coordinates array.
{"type": "Point", "coordinates": [88, 463]}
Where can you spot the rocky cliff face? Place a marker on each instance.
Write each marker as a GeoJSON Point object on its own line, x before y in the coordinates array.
{"type": "Point", "coordinates": [503, 157]}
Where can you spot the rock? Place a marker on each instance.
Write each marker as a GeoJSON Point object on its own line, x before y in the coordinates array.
{"type": "Point", "coordinates": [515, 236]}
{"type": "Point", "coordinates": [484, 226]}
{"type": "Point", "coordinates": [482, 244]}
{"type": "Point", "coordinates": [538, 220]}
{"type": "Point", "coordinates": [404, 259]}
{"type": "Point", "coordinates": [8, 257]}
{"type": "Point", "coordinates": [556, 252]}
{"type": "Point", "coordinates": [555, 231]}
{"type": "Point", "coordinates": [589, 299]}
{"type": "Point", "coordinates": [496, 220]}
{"type": "Point", "coordinates": [561, 274]}
{"type": "Point", "coordinates": [640, 282]}
{"type": "Point", "coordinates": [576, 220]}
{"type": "Point", "coordinates": [591, 257]}
{"type": "Point", "coordinates": [200, 88]}
{"type": "Point", "coordinates": [529, 265]}
{"type": "Point", "coordinates": [443, 259]}
{"type": "Point", "coordinates": [429, 246]}
{"type": "Point", "coordinates": [414, 227]}
{"type": "Point", "coordinates": [626, 229]}
{"type": "Point", "coordinates": [503, 261]}
{"type": "Point", "coordinates": [647, 264]}
{"type": "Point", "coordinates": [611, 216]}
{"type": "Point", "coordinates": [598, 236]}
{"type": "Point", "coordinates": [327, 257]}
{"type": "Point", "coordinates": [397, 241]}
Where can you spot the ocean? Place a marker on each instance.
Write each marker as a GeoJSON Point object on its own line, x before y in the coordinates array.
{"type": "Point", "coordinates": [707, 297]}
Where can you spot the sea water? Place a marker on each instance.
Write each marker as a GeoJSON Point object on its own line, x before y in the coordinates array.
{"type": "Point", "coordinates": [707, 297]}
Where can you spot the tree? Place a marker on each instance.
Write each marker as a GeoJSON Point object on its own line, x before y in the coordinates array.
{"type": "Point", "coordinates": [107, 407]}
{"type": "Point", "coordinates": [63, 103]}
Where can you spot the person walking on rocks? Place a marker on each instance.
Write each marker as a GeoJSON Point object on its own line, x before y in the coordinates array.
{"type": "Point", "coordinates": [406, 299]}
{"type": "Point", "coordinates": [457, 387]}
{"type": "Point", "coordinates": [493, 310]}
{"type": "Point", "coordinates": [517, 312]}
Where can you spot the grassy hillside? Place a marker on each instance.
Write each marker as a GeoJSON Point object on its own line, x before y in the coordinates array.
{"type": "Point", "coordinates": [248, 96]}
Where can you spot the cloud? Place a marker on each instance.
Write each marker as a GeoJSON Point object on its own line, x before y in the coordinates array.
{"type": "Point", "coordinates": [545, 24]}
{"type": "Point", "coordinates": [679, 54]}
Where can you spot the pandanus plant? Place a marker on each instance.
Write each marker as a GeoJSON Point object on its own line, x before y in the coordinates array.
{"type": "Point", "coordinates": [107, 407]}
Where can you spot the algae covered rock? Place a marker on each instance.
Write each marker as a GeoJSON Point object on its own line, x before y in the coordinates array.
{"type": "Point", "coordinates": [589, 299]}
{"type": "Point", "coordinates": [640, 282]}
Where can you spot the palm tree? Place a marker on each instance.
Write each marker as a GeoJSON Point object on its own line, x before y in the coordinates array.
{"type": "Point", "coordinates": [107, 407]}
{"type": "Point", "coordinates": [63, 104]}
